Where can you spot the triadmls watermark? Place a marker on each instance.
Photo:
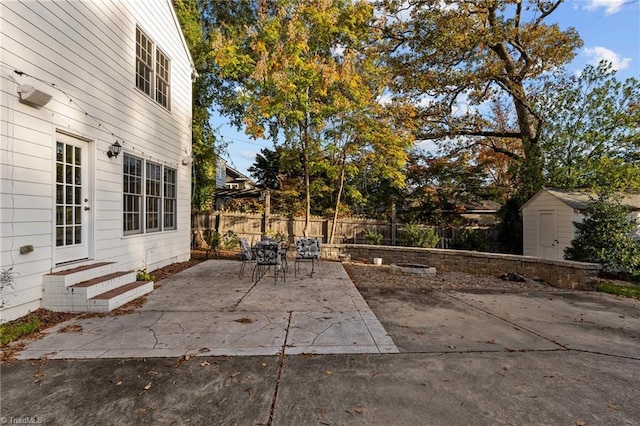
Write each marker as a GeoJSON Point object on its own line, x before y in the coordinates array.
{"type": "Point", "coordinates": [23, 420]}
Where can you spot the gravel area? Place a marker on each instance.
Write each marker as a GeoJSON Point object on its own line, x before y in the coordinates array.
{"type": "Point", "coordinates": [365, 275]}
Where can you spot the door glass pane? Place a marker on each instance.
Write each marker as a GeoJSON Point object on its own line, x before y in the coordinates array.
{"type": "Point", "coordinates": [69, 215]}
{"type": "Point", "coordinates": [59, 215]}
{"type": "Point", "coordinates": [69, 198]}
{"type": "Point", "coordinates": [68, 171]}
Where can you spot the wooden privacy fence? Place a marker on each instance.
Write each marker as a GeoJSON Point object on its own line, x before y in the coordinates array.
{"type": "Point", "coordinates": [348, 230]}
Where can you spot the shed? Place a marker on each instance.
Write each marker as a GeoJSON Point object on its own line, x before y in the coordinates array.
{"type": "Point", "coordinates": [548, 220]}
{"type": "Point", "coordinates": [96, 131]}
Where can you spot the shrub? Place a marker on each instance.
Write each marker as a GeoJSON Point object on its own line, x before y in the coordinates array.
{"type": "Point", "coordinates": [230, 240]}
{"type": "Point", "coordinates": [143, 275]}
{"type": "Point", "coordinates": [373, 237]}
{"type": "Point", "coordinates": [603, 237]}
{"type": "Point", "coordinates": [414, 235]}
{"type": "Point", "coordinates": [469, 239]}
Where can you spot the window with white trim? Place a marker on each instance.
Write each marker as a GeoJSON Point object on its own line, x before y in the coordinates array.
{"type": "Point", "coordinates": [153, 70]}
{"type": "Point", "coordinates": [148, 207]}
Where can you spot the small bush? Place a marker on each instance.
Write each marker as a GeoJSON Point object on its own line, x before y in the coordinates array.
{"type": "Point", "coordinates": [373, 237]}
{"type": "Point", "coordinates": [143, 275]}
{"type": "Point", "coordinates": [469, 239]}
{"type": "Point", "coordinates": [230, 240]}
{"type": "Point", "coordinates": [414, 235]}
{"type": "Point", "coordinates": [603, 237]}
{"type": "Point", "coordinates": [15, 330]}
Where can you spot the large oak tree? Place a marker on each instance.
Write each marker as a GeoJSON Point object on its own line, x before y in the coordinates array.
{"type": "Point", "coordinates": [451, 58]}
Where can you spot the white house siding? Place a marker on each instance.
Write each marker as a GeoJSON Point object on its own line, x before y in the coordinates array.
{"type": "Point", "coordinates": [544, 201]}
{"type": "Point", "coordinates": [87, 49]}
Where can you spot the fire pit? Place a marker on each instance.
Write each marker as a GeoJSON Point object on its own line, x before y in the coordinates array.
{"type": "Point", "coordinates": [411, 268]}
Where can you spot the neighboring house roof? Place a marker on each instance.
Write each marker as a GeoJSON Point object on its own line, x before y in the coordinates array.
{"type": "Point", "coordinates": [580, 200]}
{"type": "Point", "coordinates": [238, 193]}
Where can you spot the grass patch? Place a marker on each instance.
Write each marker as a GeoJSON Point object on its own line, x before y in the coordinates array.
{"type": "Point", "coordinates": [619, 290]}
{"type": "Point", "coordinates": [17, 329]}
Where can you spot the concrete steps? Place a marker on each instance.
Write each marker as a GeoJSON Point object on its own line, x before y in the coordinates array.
{"type": "Point", "coordinates": [98, 287]}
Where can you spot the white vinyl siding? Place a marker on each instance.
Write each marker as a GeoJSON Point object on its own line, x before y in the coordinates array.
{"type": "Point", "coordinates": [88, 50]}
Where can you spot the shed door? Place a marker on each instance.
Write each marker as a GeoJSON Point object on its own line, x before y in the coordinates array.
{"type": "Point", "coordinates": [72, 199]}
{"type": "Point", "coordinates": [547, 234]}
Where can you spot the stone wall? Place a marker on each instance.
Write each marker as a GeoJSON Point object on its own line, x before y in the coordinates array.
{"type": "Point", "coordinates": [558, 273]}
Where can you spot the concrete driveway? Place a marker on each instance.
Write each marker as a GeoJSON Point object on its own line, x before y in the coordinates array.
{"type": "Point", "coordinates": [459, 358]}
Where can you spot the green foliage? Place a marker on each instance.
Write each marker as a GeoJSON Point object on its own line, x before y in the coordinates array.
{"type": "Point", "coordinates": [16, 329]}
{"type": "Point", "coordinates": [373, 237]}
{"type": "Point", "coordinates": [603, 237]}
{"type": "Point", "coordinates": [414, 235]}
{"type": "Point", "coordinates": [511, 225]}
{"type": "Point", "coordinates": [591, 136]}
{"type": "Point", "coordinates": [469, 239]}
{"type": "Point", "coordinates": [213, 239]}
{"type": "Point", "coordinates": [458, 58]}
{"type": "Point", "coordinates": [230, 240]}
{"type": "Point", "coordinates": [143, 275]}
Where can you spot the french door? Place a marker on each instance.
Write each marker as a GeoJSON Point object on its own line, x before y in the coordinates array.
{"type": "Point", "coordinates": [72, 203]}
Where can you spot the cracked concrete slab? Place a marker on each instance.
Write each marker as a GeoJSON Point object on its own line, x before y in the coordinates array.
{"type": "Point", "coordinates": [210, 310]}
{"type": "Point", "coordinates": [582, 321]}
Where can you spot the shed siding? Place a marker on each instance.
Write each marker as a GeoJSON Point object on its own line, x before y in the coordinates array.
{"type": "Point", "coordinates": [87, 49]}
{"type": "Point", "coordinates": [564, 216]}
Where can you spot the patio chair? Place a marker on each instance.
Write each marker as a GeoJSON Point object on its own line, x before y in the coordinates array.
{"type": "Point", "coordinates": [307, 250]}
{"type": "Point", "coordinates": [268, 256]}
{"type": "Point", "coordinates": [247, 255]}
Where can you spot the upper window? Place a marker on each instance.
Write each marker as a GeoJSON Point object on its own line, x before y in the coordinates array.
{"type": "Point", "coordinates": [153, 70]}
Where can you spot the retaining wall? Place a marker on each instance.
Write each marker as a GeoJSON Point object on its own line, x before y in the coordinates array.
{"type": "Point", "coordinates": [558, 273]}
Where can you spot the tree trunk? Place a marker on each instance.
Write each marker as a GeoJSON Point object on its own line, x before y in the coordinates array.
{"type": "Point", "coordinates": [335, 214]}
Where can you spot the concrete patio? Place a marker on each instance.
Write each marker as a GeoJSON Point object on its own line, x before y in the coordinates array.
{"type": "Point", "coordinates": [318, 357]}
{"type": "Point", "coordinates": [209, 310]}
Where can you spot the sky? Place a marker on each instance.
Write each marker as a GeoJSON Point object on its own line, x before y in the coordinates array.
{"type": "Point", "coordinates": [610, 29]}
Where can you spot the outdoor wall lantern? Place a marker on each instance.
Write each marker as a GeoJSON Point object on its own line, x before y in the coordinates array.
{"type": "Point", "coordinates": [114, 150]}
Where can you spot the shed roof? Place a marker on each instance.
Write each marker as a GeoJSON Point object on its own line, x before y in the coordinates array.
{"type": "Point", "coordinates": [580, 200]}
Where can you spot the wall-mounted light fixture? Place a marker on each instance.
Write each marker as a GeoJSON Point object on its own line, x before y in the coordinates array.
{"type": "Point", "coordinates": [32, 96]}
{"type": "Point", "coordinates": [114, 150]}
{"type": "Point", "coordinates": [187, 161]}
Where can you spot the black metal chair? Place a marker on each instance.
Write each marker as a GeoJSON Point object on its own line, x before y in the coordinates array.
{"type": "Point", "coordinates": [268, 256]}
{"type": "Point", "coordinates": [247, 255]}
{"type": "Point", "coordinates": [307, 250]}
